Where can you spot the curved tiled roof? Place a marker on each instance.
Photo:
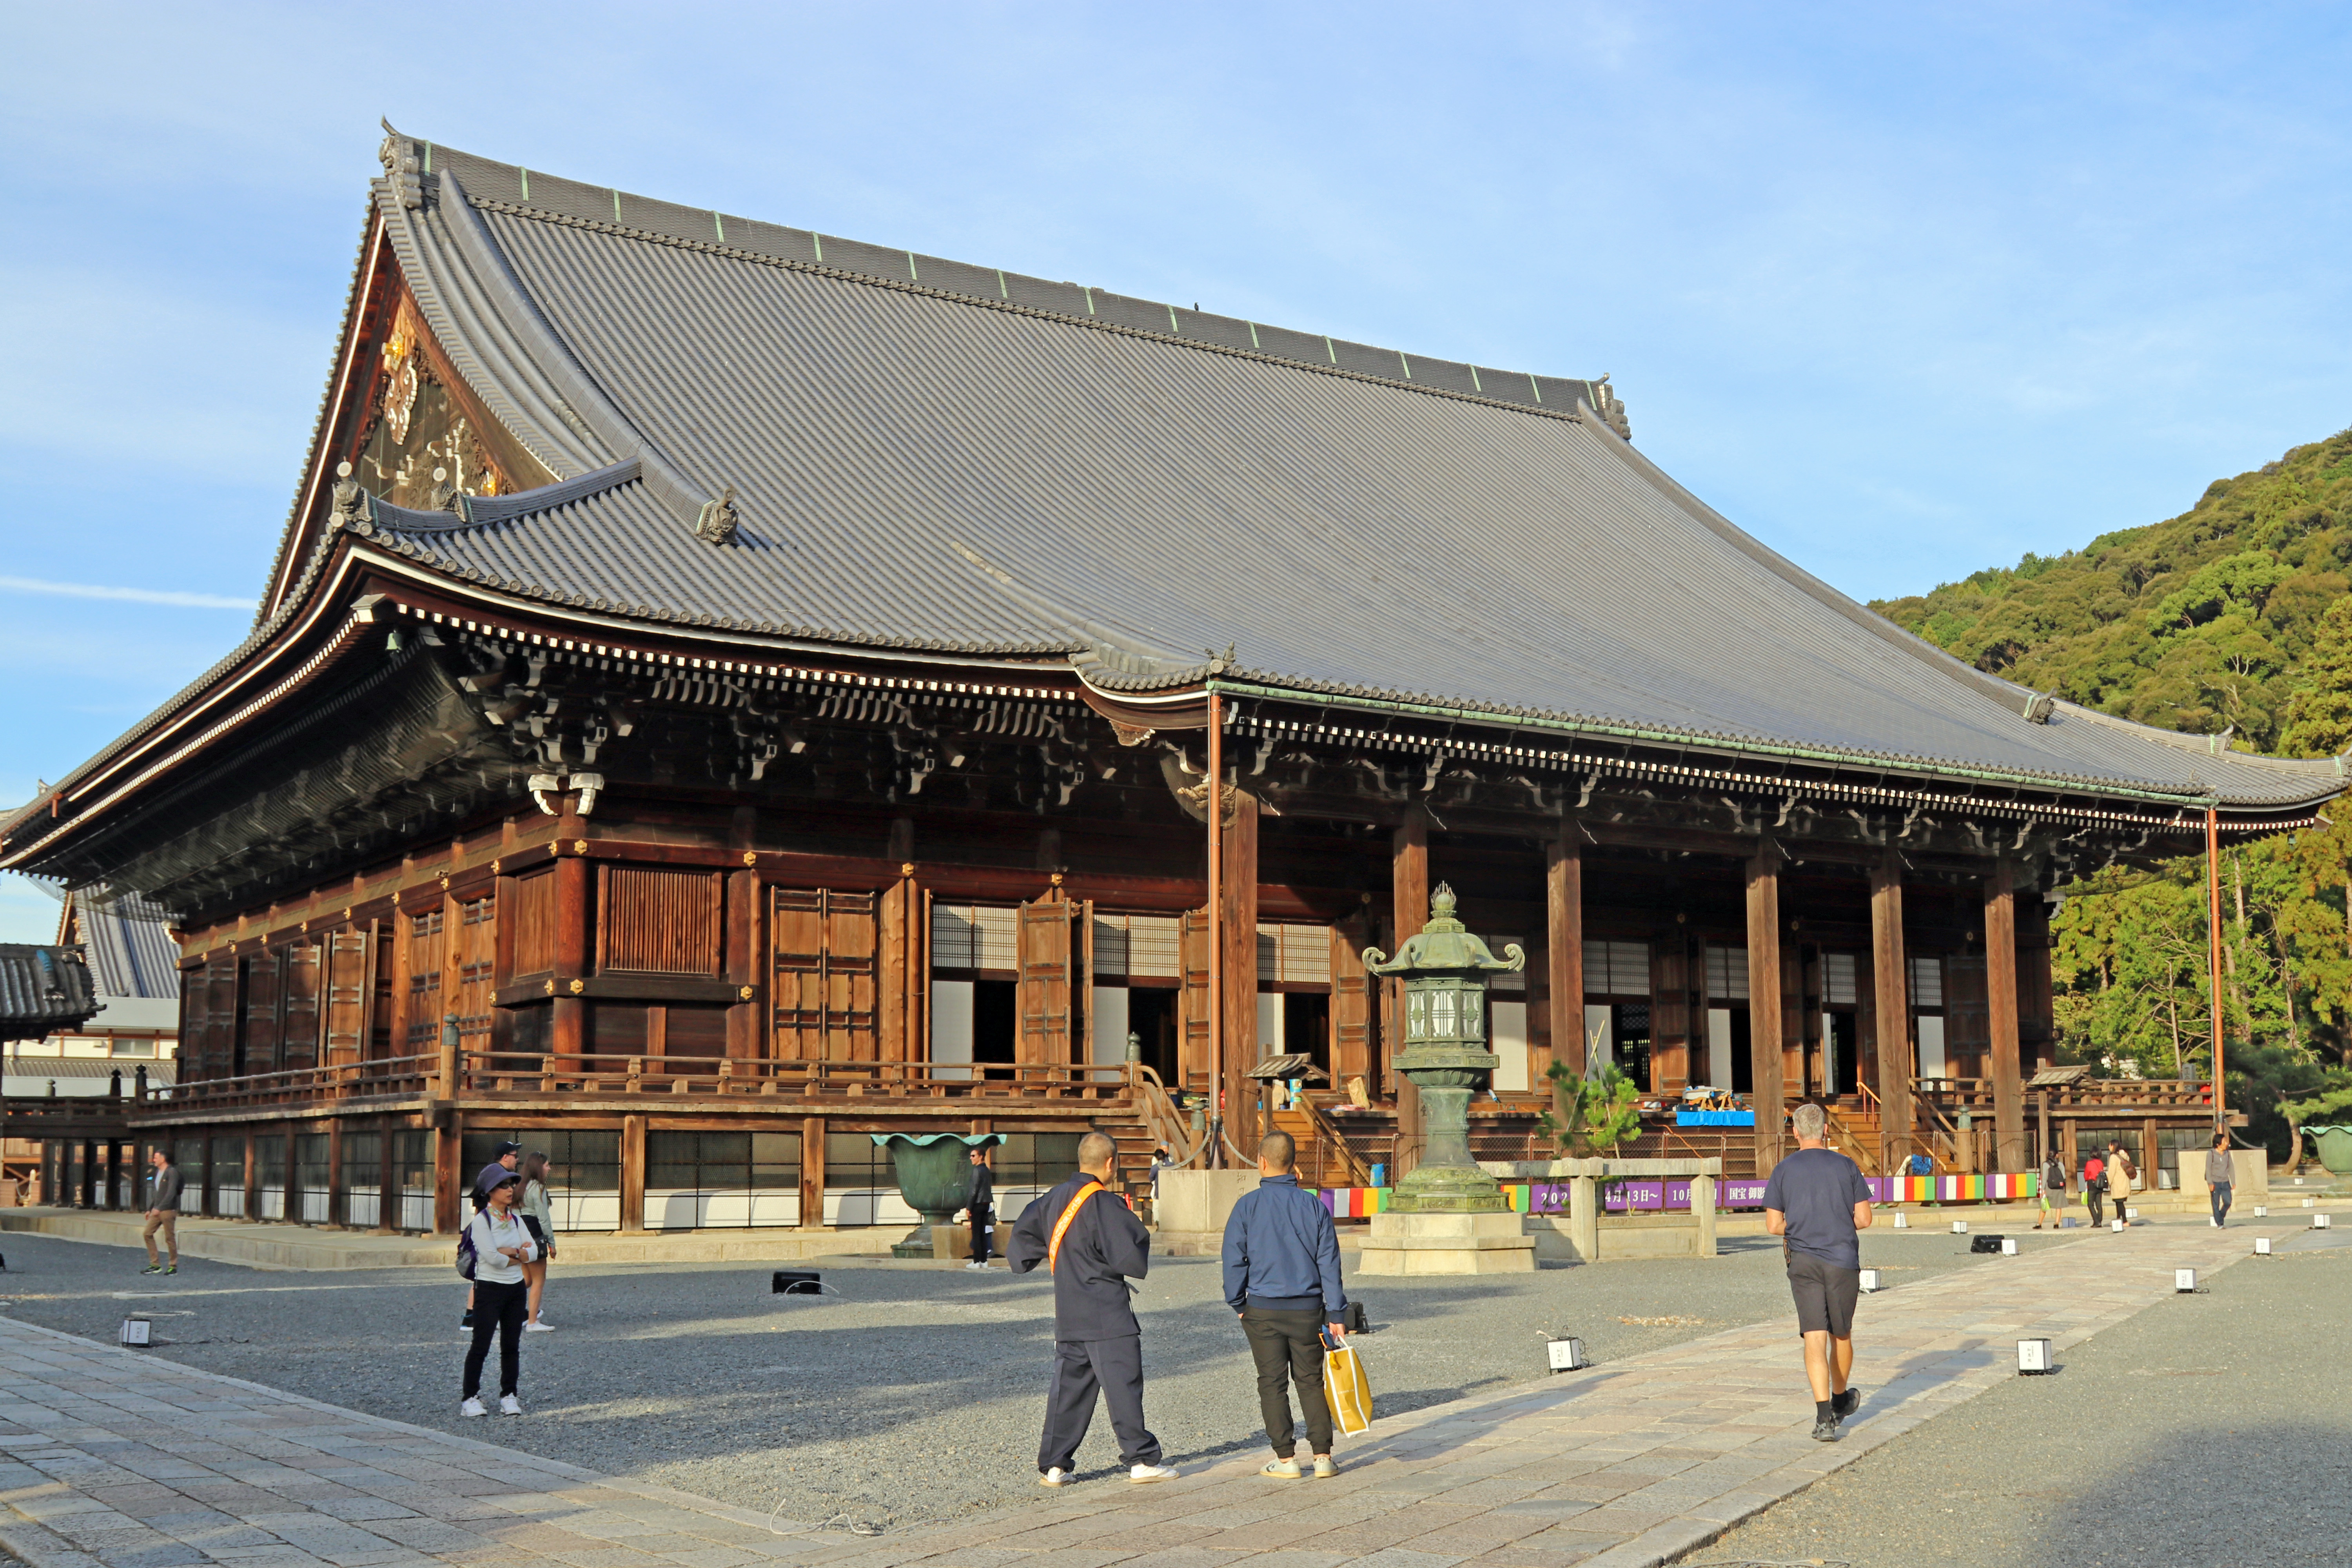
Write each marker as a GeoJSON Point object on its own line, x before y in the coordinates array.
{"type": "Point", "coordinates": [917, 464]}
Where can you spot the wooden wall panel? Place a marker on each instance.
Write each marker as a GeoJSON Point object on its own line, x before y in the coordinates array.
{"type": "Point", "coordinates": [533, 901]}
{"type": "Point", "coordinates": [1351, 1005]}
{"type": "Point", "coordinates": [1042, 1001]}
{"type": "Point", "coordinates": [473, 969]}
{"type": "Point", "coordinates": [1968, 1019]}
{"type": "Point", "coordinates": [1193, 1048]}
{"type": "Point", "coordinates": [347, 996]}
{"type": "Point", "coordinates": [659, 920]}
{"type": "Point", "coordinates": [423, 942]}
{"type": "Point", "coordinates": [301, 982]}
{"type": "Point", "coordinates": [257, 1029]}
{"type": "Point", "coordinates": [824, 948]}
{"type": "Point", "coordinates": [905, 982]}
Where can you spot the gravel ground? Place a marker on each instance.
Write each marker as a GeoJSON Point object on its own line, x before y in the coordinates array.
{"type": "Point", "coordinates": [915, 1393]}
{"type": "Point", "coordinates": [2210, 1429]}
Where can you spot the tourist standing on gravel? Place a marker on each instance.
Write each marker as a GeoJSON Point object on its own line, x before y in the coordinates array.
{"type": "Point", "coordinates": [1282, 1280]}
{"type": "Point", "coordinates": [538, 1216]}
{"type": "Point", "coordinates": [1093, 1245]}
{"type": "Point", "coordinates": [162, 1212]}
{"type": "Point", "coordinates": [1817, 1201]}
{"type": "Point", "coordinates": [2220, 1176]}
{"type": "Point", "coordinates": [502, 1244]}
{"type": "Point", "coordinates": [503, 1158]}
{"type": "Point", "coordinates": [2094, 1190]}
{"type": "Point", "coordinates": [983, 1209]}
{"type": "Point", "coordinates": [2053, 1190]}
{"type": "Point", "coordinates": [2121, 1179]}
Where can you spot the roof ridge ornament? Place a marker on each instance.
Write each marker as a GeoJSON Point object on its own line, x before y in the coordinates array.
{"type": "Point", "coordinates": [717, 519]}
{"type": "Point", "coordinates": [403, 168]}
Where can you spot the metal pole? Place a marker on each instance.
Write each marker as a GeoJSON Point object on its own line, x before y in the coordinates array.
{"type": "Point", "coordinates": [2213, 930]}
{"type": "Point", "coordinates": [1216, 923]}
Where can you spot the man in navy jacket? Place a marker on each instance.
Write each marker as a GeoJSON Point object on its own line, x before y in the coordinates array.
{"type": "Point", "coordinates": [1282, 1280]}
{"type": "Point", "coordinates": [1098, 1343]}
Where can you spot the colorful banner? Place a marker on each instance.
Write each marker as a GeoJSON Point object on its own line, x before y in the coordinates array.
{"type": "Point", "coordinates": [1714, 1118]}
{"type": "Point", "coordinates": [1657, 1196]}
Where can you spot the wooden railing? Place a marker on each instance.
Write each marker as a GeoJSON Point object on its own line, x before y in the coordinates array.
{"type": "Point", "coordinates": [1329, 1139]}
{"type": "Point", "coordinates": [394, 1076]}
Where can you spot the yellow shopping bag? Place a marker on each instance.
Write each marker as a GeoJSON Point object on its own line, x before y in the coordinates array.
{"type": "Point", "coordinates": [1345, 1388]}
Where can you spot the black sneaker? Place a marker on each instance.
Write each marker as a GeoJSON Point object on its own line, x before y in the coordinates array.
{"type": "Point", "coordinates": [1825, 1429]}
{"type": "Point", "coordinates": [1846, 1404]}
{"type": "Point", "coordinates": [468, 1321]}
{"type": "Point", "coordinates": [152, 1269]}
{"type": "Point", "coordinates": [170, 1269]}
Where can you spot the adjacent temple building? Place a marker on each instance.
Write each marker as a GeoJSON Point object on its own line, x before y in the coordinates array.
{"type": "Point", "coordinates": [725, 691]}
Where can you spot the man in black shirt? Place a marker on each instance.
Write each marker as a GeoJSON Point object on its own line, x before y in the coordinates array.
{"type": "Point", "coordinates": [1818, 1201]}
{"type": "Point", "coordinates": [982, 1210]}
{"type": "Point", "coordinates": [1092, 1243]}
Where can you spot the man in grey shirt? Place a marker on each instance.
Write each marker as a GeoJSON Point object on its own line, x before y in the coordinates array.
{"type": "Point", "coordinates": [2220, 1176]}
{"type": "Point", "coordinates": [1818, 1201]}
{"type": "Point", "coordinates": [162, 1212]}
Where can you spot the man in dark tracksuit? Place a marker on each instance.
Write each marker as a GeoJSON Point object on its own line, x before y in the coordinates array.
{"type": "Point", "coordinates": [983, 1210]}
{"type": "Point", "coordinates": [1098, 1343]}
{"type": "Point", "coordinates": [1282, 1280]}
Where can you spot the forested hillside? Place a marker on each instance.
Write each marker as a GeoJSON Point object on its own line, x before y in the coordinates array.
{"type": "Point", "coordinates": [2199, 623]}
{"type": "Point", "coordinates": [2236, 615]}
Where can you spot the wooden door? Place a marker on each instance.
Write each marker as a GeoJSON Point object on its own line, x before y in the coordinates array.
{"type": "Point", "coordinates": [824, 946]}
{"type": "Point", "coordinates": [1044, 1004]}
{"type": "Point", "coordinates": [257, 1030]}
{"type": "Point", "coordinates": [1351, 1007]}
{"type": "Point", "coordinates": [905, 972]}
{"type": "Point", "coordinates": [1193, 1049]}
{"type": "Point", "coordinates": [424, 952]}
{"type": "Point", "coordinates": [1968, 1017]}
{"type": "Point", "coordinates": [348, 986]}
{"type": "Point", "coordinates": [299, 1016]}
{"type": "Point", "coordinates": [473, 971]}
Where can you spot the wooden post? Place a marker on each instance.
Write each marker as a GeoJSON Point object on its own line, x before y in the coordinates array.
{"type": "Point", "coordinates": [449, 1176]}
{"type": "Point", "coordinates": [387, 1178]}
{"type": "Point", "coordinates": [252, 1181]}
{"type": "Point", "coordinates": [2151, 1160]}
{"type": "Point", "coordinates": [1702, 1190]}
{"type": "Point", "coordinates": [2000, 999]}
{"type": "Point", "coordinates": [1564, 936]}
{"type": "Point", "coordinates": [812, 1172]}
{"type": "Point", "coordinates": [1891, 982]}
{"type": "Point", "coordinates": [2073, 1148]}
{"type": "Point", "coordinates": [1212, 812]}
{"type": "Point", "coordinates": [1764, 1018]}
{"type": "Point", "coordinates": [338, 1197]}
{"type": "Point", "coordinates": [1237, 968]}
{"type": "Point", "coordinates": [568, 1028]}
{"type": "Point", "coordinates": [1408, 899]}
{"type": "Point", "coordinates": [2043, 1099]}
{"type": "Point", "coordinates": [633, 1172]}
{"type": "Point", "coordinates": [2214, 934]}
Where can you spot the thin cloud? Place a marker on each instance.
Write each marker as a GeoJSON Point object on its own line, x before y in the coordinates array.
{"type": "Point", "coordinates": [136, 596]}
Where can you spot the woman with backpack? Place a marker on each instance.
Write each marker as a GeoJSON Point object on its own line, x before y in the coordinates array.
{"type": "Point", "coordinates": [2094, 1190]}
{"type": "Point", "coordinates": [2053, 1190]}
{"type": "Point", "coordinates": [492, 1252]}
{"type": "Point", "coordinates": [539, 1218]}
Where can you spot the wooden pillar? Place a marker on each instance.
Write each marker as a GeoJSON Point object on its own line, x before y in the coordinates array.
{"type": "Point", "coordinates": [2151, 1160]}
{"type": "Point", "coordinates": [2000, 999]}
{"type": "Point", "coordinates": [812, 1173]}
{"type": "Point", "coordinates": [1891, 981]}
{"type": "Point", "coordinates": [569, 1027]}
{"type": "Point", "coordinates": [338, 1197]}
{"type": "Point", "coordinates": [1237, 969]}
{"type": "Point", "coordinates": [742, 935]}
{"type": "Point", "coordinates": [1564, 940]}
{"type": "Point", "coordinates": [1408, 903]}
{"type": "Point", "coordinates": [633, 1172]}
{"type": "Point", "coordinates": [449, 1176]}
{"type": "Point", "coordinates": [252, 1179]}
{"type": "Point", "coordinates": [2042, 1143]}
{"type": "Point", "coordinates": [2074, 1150]}
{"type": "Point", "coordinates": [387, 1181]}
{"type": "Point", "coordinates": [1764, 1014]}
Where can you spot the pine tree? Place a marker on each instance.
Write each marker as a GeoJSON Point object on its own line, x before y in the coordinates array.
{"type": "Point", "coordinates": [2319, 715]}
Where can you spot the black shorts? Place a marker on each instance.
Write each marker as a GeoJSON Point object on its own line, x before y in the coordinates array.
{"type": "Point", "coordinates": [1825, 1295]}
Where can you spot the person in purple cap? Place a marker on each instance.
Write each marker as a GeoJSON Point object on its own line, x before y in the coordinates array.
{"type": "Point", "coordinates": [502, 1244]}
{"type": "Point", "coordinates": [503, 1159]}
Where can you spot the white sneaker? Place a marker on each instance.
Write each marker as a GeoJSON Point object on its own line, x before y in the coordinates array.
{"type": "Point", "coordinates": [510, 1406]}
{"type": "Point", "coordinates": [472, 1407]}
{"type": "Point", "coordinates": [1057, 1477]}
{"type": "Point", "coordinates": [1142, 1473]}
{"type": "Point", "coordinates": [982, 1267]}
{"type": "Point", "coordinates": [539, 1328]}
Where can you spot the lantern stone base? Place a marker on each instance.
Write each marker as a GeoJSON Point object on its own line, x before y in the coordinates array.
{"type": "Point", "coordinates": [1447, 1244]}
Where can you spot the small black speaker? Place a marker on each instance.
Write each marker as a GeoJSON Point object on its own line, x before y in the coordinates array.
{"type": "Point", "coordinates": [794, 1282]}
{"type": "Point", "coordinates": [1351, 1317]}
{"type": "Point", "coordinates": [1984, 1243]}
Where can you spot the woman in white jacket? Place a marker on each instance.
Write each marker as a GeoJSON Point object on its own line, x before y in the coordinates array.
{"type": "Point", "coordinates": [501, 1298]}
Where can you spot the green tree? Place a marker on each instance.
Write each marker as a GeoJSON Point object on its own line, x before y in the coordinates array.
{"type": "Point", "coordinates": [2319, 715]}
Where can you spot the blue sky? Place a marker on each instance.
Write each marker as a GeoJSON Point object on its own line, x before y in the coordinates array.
{"type": "Point", "coordinates": [1905, 290]}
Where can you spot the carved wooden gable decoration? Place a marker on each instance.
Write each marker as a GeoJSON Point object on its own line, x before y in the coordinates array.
{"type": "Point", "coordinates": [425, 438]}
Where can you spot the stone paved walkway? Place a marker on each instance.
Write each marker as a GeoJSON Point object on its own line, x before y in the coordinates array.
{"type": "Point", "coordinates": [115, 1460]}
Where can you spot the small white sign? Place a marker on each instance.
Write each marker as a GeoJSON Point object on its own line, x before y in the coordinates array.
{"type": "Point", "coordinates": [2320, 1222]}
{"type": "Point", "coordinates": [2033, 1356]}
{"type": "Point", "coordinates": [2261, 1210]}
{"type": "Point", "coordinates": [1567, 1355]}
{"type": "Point", "coordinates": [1869, 1280]}
{"type": "Point", "coordinates": [1960, 1227]}
{"type": "Point", "coordinates": [135, 1331]}
{"type": "Point", "coordinates": [2262, 1246]}
{"type": "Point", "coordinates": [2184, 1279]}
{"type": "Point", "coordinates": [2009, 1246]}
{"type": "Point", "coordinates": [1902, 1221]}
{"type": "Point", "coordinates": [2117, 1225]}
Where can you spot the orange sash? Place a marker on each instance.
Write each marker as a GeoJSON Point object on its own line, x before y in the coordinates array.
{"type": "Point", "coordinates": [1069, 1212]}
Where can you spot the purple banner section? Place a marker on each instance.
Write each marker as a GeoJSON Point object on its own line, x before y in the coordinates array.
{"type": "Point", "coordinates": [1643, 1197]}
